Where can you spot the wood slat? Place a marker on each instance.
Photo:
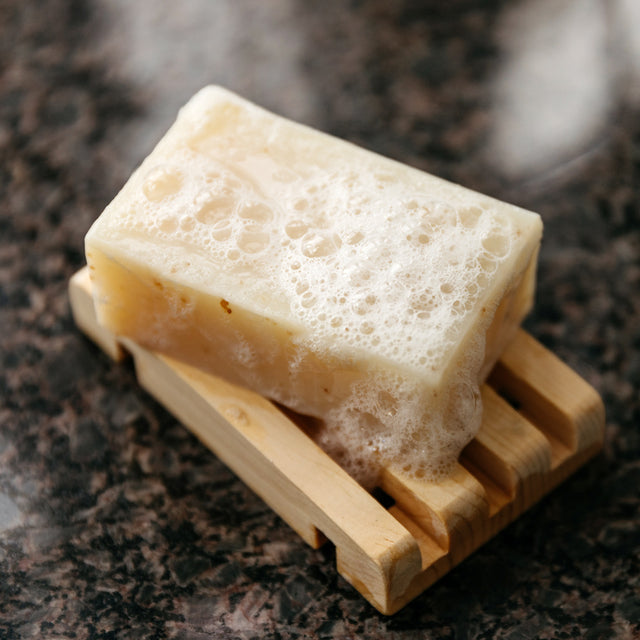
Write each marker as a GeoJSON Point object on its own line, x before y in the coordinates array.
{"type": "Point", "coordinates": [551, 423]}
{"type": "Point", "coordinates": [509, 450]}
{"type": "Point", "coordinates": [552, 395]}
{"type": "Point", "coordinates": [451, 511]}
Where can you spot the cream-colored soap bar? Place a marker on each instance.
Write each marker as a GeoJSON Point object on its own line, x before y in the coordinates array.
{"type": "Point", "coordinates": [342, 284]}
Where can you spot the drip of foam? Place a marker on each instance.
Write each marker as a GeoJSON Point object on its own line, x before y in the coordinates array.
{"type": "Point", "coordinates": [362, 259]}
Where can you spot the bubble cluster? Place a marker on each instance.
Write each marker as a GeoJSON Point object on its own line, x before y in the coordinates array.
{"type": "Point", "coordinates": [368, 260]}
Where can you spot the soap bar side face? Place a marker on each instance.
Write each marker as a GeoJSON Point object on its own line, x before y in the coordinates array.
{"type": "Point", "coordinates": [337, 282]}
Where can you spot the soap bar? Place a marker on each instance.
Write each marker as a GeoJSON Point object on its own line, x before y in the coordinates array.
{"type": "Point", "coordinates": [346, 286]}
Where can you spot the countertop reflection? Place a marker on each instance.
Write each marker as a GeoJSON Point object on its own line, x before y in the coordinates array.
{"type": "Point", "coordinates": [114, 520]}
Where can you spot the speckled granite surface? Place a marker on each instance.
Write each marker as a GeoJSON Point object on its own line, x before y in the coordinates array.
{"type": "Point", "coordinates": [114, 521]}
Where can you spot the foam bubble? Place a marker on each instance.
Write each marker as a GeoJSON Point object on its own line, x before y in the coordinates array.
{"type": "Point", "coordinates": [253, 240]}
{"type": "Point", "coordinates": [161, 182]}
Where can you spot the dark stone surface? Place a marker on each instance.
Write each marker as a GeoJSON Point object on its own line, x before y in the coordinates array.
{"type": "Point", "coordinates": [114, 520]}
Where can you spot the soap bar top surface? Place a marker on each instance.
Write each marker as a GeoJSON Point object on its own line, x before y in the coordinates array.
{"type": "Point", "coordinates": [342, 284]}
{"type": "Point", "coordinates": [358, 253]}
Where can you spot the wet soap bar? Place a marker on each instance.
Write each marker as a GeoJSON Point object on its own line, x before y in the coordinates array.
{"type": "Point", "coordinates": [342, 284]}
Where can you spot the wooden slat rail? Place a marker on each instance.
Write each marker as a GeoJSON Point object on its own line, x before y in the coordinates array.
{"type": "Point", "coordinates": [541, 422]}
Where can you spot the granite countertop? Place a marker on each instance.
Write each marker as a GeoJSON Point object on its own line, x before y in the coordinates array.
{"type": "Point", "coordinates": [114, 520]}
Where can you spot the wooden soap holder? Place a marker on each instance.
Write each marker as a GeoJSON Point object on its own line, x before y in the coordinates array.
{"type": "Point", "coordinates": [541, 422]}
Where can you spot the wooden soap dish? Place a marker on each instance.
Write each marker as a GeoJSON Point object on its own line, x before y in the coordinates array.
{"type": "Point", "coordinates": [541, 422]}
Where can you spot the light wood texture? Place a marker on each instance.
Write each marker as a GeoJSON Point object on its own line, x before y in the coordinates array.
{"type": "Point", "coordinates": [389, 555]}
{"type": "Point", "coordinates": [85, 317]}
